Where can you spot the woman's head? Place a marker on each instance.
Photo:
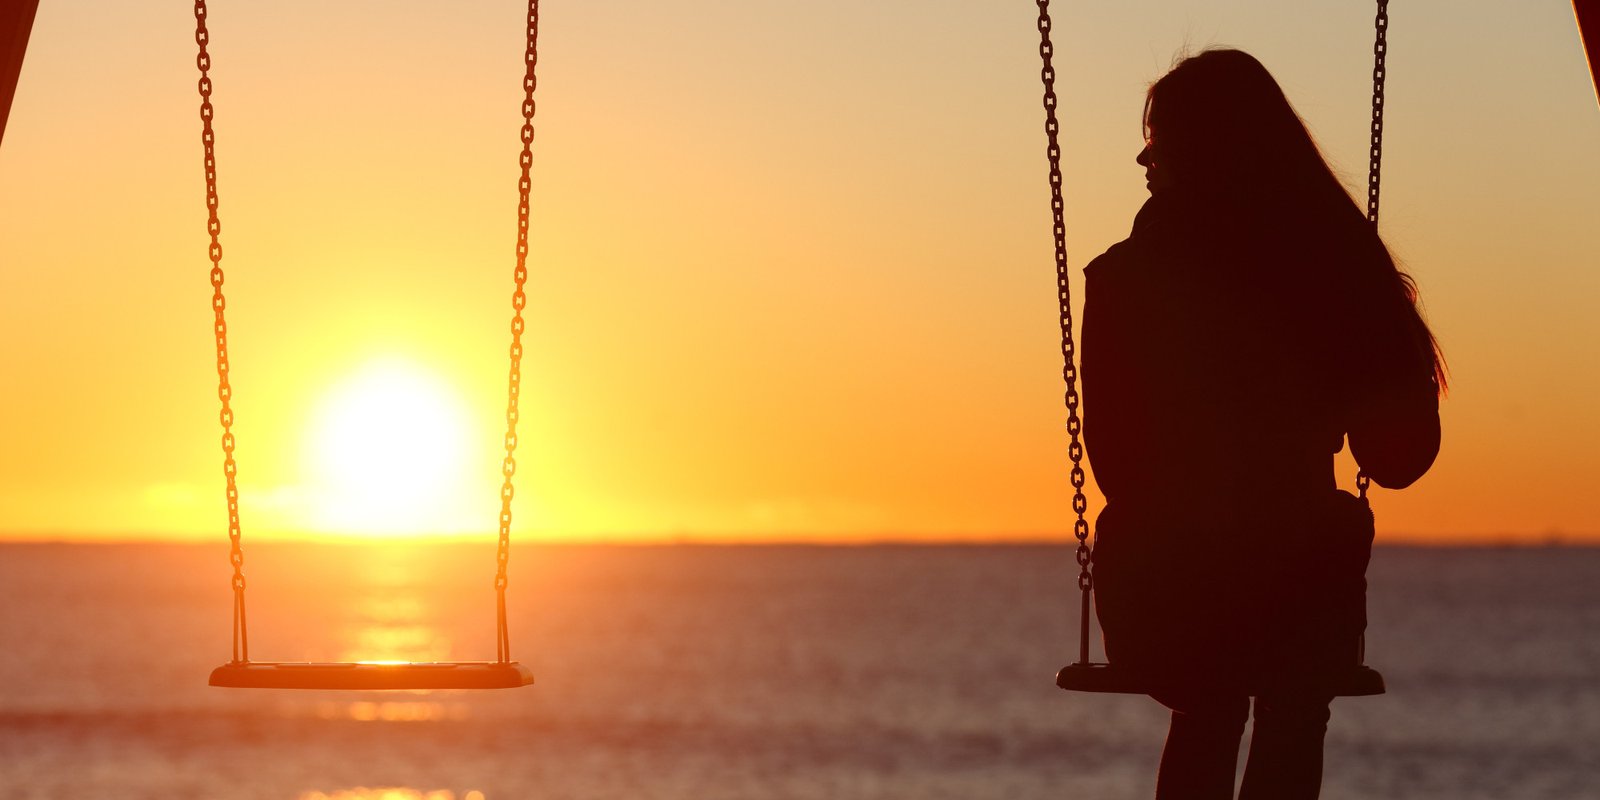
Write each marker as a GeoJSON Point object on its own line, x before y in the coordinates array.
{"type": "Point", "coordinates": [1218, 124]}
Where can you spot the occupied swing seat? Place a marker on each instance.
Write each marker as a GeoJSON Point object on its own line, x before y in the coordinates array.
{"type": "Point", "coordinates": [1357, 681]}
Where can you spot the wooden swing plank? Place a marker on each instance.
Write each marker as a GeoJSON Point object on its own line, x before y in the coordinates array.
{"type": "Point", "coordinates": [1359, 681]}
{"type": "Point", "coordinates": [365, 675]}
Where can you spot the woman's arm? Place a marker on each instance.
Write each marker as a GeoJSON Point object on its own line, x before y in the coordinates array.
{"type": "Point", "coordinates": [1123, 409]}
{"type": "Point", "coordinates": [1394, 431]}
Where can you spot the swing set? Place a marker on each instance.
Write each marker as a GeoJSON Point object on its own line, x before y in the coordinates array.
{"type": "Point", "coordinates": [1354, 680]}
{"type": "Point", "coordinates": [241, 672]}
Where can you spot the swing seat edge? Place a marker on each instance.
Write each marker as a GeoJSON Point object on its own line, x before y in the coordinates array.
{"type": "Point", "coordinates": [1357, 681]}
{"type": "Point", "coordinates": [372, 676]}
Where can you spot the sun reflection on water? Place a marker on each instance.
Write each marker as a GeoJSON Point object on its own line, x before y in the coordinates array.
{"type": "Point", "coordinates": [393, 711]}
{"type": "Point", "coordinates": [378, 642]}
{"type": "Point", "coordinates": [389, 793]}
{"type": "Point", "coordinates": [395, 623]}
{"type": "Point", "coordinates": [392, 608]}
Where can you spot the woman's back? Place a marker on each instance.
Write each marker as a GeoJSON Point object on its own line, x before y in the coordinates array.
{"type": "Point", "coordinates": [1220, 358]}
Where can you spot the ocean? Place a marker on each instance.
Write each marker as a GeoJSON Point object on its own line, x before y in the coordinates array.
{"type": "Point", "coordinates": [751, 672]}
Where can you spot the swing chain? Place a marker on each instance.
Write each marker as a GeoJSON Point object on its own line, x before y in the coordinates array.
{"type": "Point", "coordinates": [1380, 53]}
{"type": "Point", "coordinates": [219, 304]}
{"type": "Point", "coordinates": [519, 300]}
{"type": "Point", "coordinates": [1069, 369]}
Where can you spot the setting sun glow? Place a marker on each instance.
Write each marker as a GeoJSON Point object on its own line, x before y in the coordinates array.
{"type": "Point", "coordinates": [389, 448]}
{"type": "Point", "coordinates": [757, 310]}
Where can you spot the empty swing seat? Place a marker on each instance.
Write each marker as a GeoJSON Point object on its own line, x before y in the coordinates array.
{"type": "Point", "coordinates": [372, 675]}
{"type": "Point", "coordinates": [1358, 681]}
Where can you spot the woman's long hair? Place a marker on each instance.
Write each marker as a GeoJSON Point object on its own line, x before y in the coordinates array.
{"type": "Point", "coordinates": [1221, 126]}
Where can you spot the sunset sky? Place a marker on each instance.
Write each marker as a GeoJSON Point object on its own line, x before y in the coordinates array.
{"type": "Point", "coordinates": [791, 272]}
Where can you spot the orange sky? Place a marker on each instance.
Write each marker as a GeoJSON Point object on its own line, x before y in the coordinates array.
{"type": "Point", "coordinates": [791, 272]}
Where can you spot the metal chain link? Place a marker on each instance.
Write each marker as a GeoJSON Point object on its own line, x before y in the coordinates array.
{"type": "Point", "coordinates": [1380, 52]}
{"type": "Point", "coordinates": [1069, 368]}
{"type": "Point", "coordinates": [519, 300]}
{"type": "Point", "coordinates": [219, 304]}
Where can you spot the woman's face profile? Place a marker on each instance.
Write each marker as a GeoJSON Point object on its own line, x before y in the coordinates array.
{"type": "Point", "coordinates": [1155, 179]}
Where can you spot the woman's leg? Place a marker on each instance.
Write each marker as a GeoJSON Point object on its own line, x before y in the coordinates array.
{"type": "Point", "coordinates": [1202, 748]}
{"type": "Point", "coordinates": [1286, 748]}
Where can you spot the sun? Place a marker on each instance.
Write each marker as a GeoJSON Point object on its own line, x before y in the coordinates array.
{"type": "Point", "coordinates": [390, 448]}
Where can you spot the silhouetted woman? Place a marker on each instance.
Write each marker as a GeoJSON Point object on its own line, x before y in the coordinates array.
{"type": "Point", "coordinates": [1251, 321]}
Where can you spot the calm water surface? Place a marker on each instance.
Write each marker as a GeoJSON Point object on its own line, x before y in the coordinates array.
{"type": "Point", "coordinates": [734, 672]}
